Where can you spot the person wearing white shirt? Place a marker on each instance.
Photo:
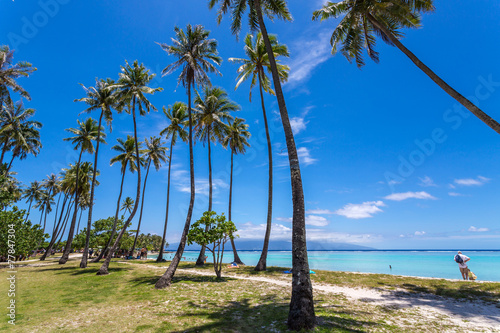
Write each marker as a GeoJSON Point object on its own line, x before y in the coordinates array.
{"type": "Point", "coordinates": [463, 266]}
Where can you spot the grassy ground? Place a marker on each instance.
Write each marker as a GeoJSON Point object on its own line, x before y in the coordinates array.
{"type": "Point", "coordinates": [68, 299]}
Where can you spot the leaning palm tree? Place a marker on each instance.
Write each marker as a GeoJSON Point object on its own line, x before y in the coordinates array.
{"type": "Point", "coordinates": [132, 88]}
{"type": "Point", "coordinates": [236, 140]}
{"type": "Point", "coordinates": [127, 158]}
{"type": "Point", "coordinates": [32, 193]}
{"type": "Point", "coordinates": [101, 97]}
{"type": "Point", "coordinates": [197, 55]}
{"type": "Point", "coordinates": [211, 115]}
{"type": "Point", "coordinates": [177, 116]}
{"type": "Point", "coordinates": [301, 314]}
{"type": "Point", "coordinates": [253, 68]}
{"type": "Point", "coordinates": [9, 72]}
{"type": "Point", "coordinates": [154, 153]}
{"type": "Point", "coordinates": [82, 140]}
{"type": "Point", "coordinates": [363, 21]}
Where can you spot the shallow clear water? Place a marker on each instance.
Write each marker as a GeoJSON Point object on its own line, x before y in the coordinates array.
{"type": "Point", "coordinates": [438, 264]}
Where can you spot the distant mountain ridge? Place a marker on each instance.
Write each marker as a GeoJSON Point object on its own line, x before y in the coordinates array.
{"type": "Point", "coordinates": [245, 245]}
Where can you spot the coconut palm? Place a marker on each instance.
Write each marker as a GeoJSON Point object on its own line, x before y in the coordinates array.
{"type": "Point", "coordinates": [82, 140]}
{"type": "Point", "coordinates": [9, 72]}
{"type": "Point", "coordinates": [236, 140]}
{"type": "Point", "coordinates": [301, 314]}
{"type": "Point", "coordinates": [197, 55]}
{"type": "Point", "coordinates": [127, 158]}
{"type": "Point", "coordinates": [177, 116]}
{"type": "Point", "coordinates": [363, 21]}
{"type": "Point", "coordinates": [32, 193]}
{"type": "Point", "coordinates": [211, 115]}
{"type": "Point", "coordinates": [253, 68]}
{"type": "Point", "coordinates": [127, 204]}
{"type": "Point", "coordinates": [154, 153]}
{"type": "Point", "coordinates": [102, 98]}
{"type": "Point", "coordinates": [131, 90]}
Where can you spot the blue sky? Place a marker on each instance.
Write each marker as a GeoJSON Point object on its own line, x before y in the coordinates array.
{"type": "Point", "coordinates": [388, 159]}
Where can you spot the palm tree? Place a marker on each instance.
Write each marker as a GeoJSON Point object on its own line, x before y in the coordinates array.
{"type": "Point", "coordinates": [211, 114]}
{"type": "Point", "coordinates": [178, 122]}
{"type": "Point", "coordinates": [102, 98]}
{"type": "Point", "coordinates": [301, 314]}
{"type": "Point", "coordinates": [32, 193]}
{"type": "Point", "coordinates": [253, 67]}
{"type": "Point", "coordinates": [126, 157]}
{"type": "Point", "coordinates": [363, 21]}
{"type": "Point", "coordinates": [83, 140]}
{"type": "Point", "coordinates": [154, 153]}
{"type": "Point", "coordinates": [9, 72]}
{"type": "Point", "coordinates": [132, 87]}
{"type": "Point", "coordinates": [236, 140]}
{"type": "Point", "coordinates": [127, 204]}
{"type": "Point", "coordinates": [197, 55]}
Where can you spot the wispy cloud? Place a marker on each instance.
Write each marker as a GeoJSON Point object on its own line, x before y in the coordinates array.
{"type": "Point", "coordinates": [479, 181]}
{"type": "Point", "coordinates": [298, 124]}
{"type": "Point", "coordinates": [455, 194]}
{"type": "Point", "coordinates": [426, 182]}
{"type": "Point", "coordinates": [360, 211]}
{"type": "Point", "coordinates": [419, 233]}
{"type": "Point", "coordinates": [305, 156]}
{"type": "Point", "coordinates": [474, 229]}
{"type": "Point", "coordinates": [320, 211]}
{"type": "Point", "coordinates": [409, 195]}
{"type": "Point", "coordinates": [318, 221]}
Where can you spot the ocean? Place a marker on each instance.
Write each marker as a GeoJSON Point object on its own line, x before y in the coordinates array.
{"type": "Point", "coordinates": [432, 263]}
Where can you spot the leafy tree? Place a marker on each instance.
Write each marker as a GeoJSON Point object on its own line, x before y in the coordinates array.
{"type": "Point", "coordinates": [177, 116]}
{"type": "Point", "coordinates": [301, 314]}
{"type": "Point", "coordinates": [362, 21]}
{"type": "Point", "coordinates": [236, 140]}
{"type": "Point", "coordinates": [18, 238]}
{"type": "Point", "coordinates": [10, 191]}
{"type": "Point", "coordinates": [197, 55]}
{"type": "Point", "coordinates": [212, 231]}
{"type": "Point", "coordinates": [211, 115]}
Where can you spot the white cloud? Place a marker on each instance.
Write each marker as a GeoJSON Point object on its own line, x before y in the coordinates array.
{"type": "Point", "coordinates": [318, 221]}
{"type": "Point", "coordinates": [409, 195]}
{"type": "Point", "coordinates": [308, 54]}
{"type": "Point", "coordinates": [298, 124]}
{"type": "Point", "coordinates": [360, 211]}
{"type": "Point", "coordinates": [320, 211]}
{"type": "Point", "coordinates": [479, 181]}
{"type": "Point", "coordinates": [474, 229]}
{"type": "Point", "coordinates": [455, 194]}
{"type": "Point", "coordinates": [419, 233]}
{"type": "Point", "coordinates": [305, 156]}
{"type": "Point", "coordinates": [284, 219]}
{"type": "Point", "coordinates": [202, 186]}
{"type": "Point", "coordinates": [426, 181]}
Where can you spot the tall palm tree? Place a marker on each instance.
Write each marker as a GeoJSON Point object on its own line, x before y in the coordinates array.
{"type": "Point", "coordinates": [154, 153]}
{"type": "Point", "coordinates": [9, 72]}
{"type": "Point", "coordinates": [127, 204]}
{"type": "Point", "coordinates": [83, 139]}
{"type": "Point", "coordinates": [131, 89]}
{"type": "Point", "coordinates": [101, 97]}
{"type": "Point", "coordinates": [32, 193]}
{"type": "Point", "coordinates": [363, 21]}
{"type": "Point", "coordinates": [177, 128]}
{"type": "Point", "coordinates": [127, 158]}
{"type": "Point", "coordinates": [253, 67]}
{"type": "Point", "coordinates": [236, 140]}
{"type": "Point", "coordinates": [211, 115]}
{"type": "Point", "coordinates": [197, 55]}
{"type": "Point", "coordinates": [301, 314]}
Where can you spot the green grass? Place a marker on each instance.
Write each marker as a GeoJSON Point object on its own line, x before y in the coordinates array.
{"type": "Point", "coordinates": [65, 298]}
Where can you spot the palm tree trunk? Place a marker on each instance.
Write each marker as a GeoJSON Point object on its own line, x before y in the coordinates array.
{"type": "Point", "coordinates": [69, 241]}
{"type": "Point", "coordinates": [83, 263]}
{"type": "Point", "coordinates": [57, 211]}
{"type": "Point", "coordinates": [104, 268]}
{"type": "Point", "coordinates": [79, 220]}
{"type": "Point", "coordinates": [262, 264]}
{"type": "Point", "coordinates": [160, 255]}
{"type": "Point", "coordinates": [166, 278]}
{"type": "Point", "coordinates": [10, 164]}
{"type": "Point", "coordinates": [301, 314]}
{"type": "Point", "coordinates": [113, 231]}
{"type": "Point", "coordinates": [142, 206]}
{"type": "Point", "coordinates": [29, 209]}
{"type": "Point", "coordinates": [201, 257]}
{"type": "Point", "coordinates": [4, 150]}
{"type": "Point", "coordinates": [235, 253]}
{"type": "Point", "coordinates": [434, 77]}
{"type": "Point", "coordinates": [55, 231]}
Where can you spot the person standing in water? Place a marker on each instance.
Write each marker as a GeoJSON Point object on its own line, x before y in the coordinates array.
{"type": "Point", "coordinates": [461, 260]}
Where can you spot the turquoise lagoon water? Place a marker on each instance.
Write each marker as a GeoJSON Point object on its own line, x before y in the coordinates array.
{"type": "Point", "coordinates": [437, 264]}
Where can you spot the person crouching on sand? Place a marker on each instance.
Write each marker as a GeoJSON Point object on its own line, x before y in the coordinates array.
{"type": "Point", "coordinates": [462, 264]}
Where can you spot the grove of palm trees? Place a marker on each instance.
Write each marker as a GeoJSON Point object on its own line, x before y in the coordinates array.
{"type": "Point", "coordinates": [168, 132]}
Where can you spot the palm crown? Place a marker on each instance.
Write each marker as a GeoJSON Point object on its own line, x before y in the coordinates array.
{"type": "Point", "coordinates": [178, 121]}
{"type": "Point", "coordinates": [126, 156]}
{"type": "Point", "coordinates": [84, 135]}
{"type": "Point", "coordinates": [357, 30]}
{"type": "Point", "coordinates": [258, 59]}
{"type": "Point", "coordinates": [155, 151]}
{"type": "Point", "coordinates": [9, 72]}
{"type": "Point", "coordinates": [237, 135]}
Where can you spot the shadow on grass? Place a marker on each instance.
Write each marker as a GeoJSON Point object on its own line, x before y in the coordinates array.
{"type": "Point", "coordinates": [243, 316]}
{"type": "Point", "coordinates": [151, 280]}
{"type": "Point", "coordinates": [81, 271]}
